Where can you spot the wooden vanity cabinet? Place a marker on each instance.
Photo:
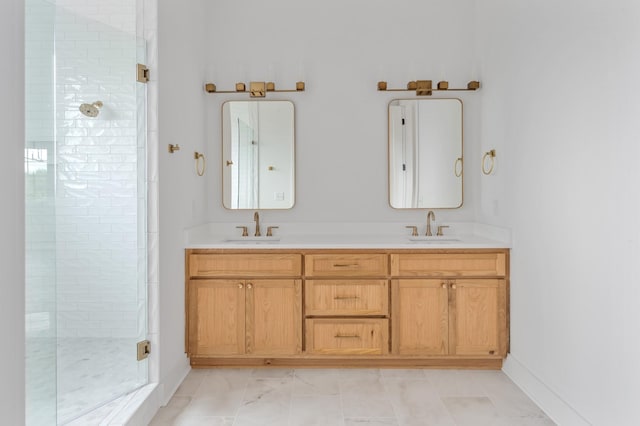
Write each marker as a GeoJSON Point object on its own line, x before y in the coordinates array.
{"type": "Point", "coordinates": [243, 316]}
{"type": "Point", "coordinates": [453, 304]}
{"type": "Point", "coordinates": [393, 308]}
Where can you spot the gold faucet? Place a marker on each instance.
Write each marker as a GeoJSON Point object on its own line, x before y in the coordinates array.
{"type": "Point", "coordinates": [256, 217]}
{"type": "Point", "coordinates": [430, 216]}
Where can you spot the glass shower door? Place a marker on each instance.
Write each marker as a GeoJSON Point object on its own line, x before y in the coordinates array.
{"type": "Point", "coordinates": [88, 242]}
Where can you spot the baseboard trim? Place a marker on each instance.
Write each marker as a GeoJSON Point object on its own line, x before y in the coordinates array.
{"type": "Point", "coordinates": [546, 398]}
{"type": "Point", "coordinates": [349, 362]}
{"type": "Point", "coordinates": [173, 381]}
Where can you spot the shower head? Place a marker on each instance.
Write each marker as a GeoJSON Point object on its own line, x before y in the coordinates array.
{"type": "Point", "coordinates": [91, 110]}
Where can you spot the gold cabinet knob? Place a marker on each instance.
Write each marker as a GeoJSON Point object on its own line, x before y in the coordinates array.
{"type": "Point", "coordinates": [249, 286]}
{"type": "Point", "coordinates": [240, 286]}
{"type": "Point", "coordinates": [444, 285]}
{"type": "Point", "coordinates": [453, 286]}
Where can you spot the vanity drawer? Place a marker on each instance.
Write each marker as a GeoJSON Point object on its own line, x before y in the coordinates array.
{"type": "Point", "coordinates": [346, 265]}
{"type": "Point", "coordinates": [449, 264]}
{"type": "Point", "coordinates": [347, 297]}
{"type": "Point", "coordinates": [347, 336]}
{"type": "Point", "coordinates": [245, 265]}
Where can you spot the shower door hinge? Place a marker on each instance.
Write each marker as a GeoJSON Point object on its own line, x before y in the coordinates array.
{"type": "Point", "coordinates": [144, 349]}
{"type": "Point", "coordinates": [142, 74]}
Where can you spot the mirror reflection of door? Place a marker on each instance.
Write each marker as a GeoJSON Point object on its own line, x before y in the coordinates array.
{"type": "Point", "coordinates": [258, 154]}
{"type": "Point", "coordinates": [245, 182]}
{"type": "Point", "coordinates": [425, 153]}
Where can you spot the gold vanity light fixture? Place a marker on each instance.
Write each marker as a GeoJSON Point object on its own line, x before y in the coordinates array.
{"type": "Point", "coordinates": [426, 88]}
{"type": "Point", "coordinates": [257, 89]}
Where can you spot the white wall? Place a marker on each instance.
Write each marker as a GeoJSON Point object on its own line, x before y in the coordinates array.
{"type": "Point", "coordinates": [12, 246]}
{"type": "Point", "coordinates": [555, 104]}
{"type": "Point", "coordinates": [340, 49]}
{"type": "Point", "coordinates": [560, 108]}
{"type": "Point", "coordinates": [182, 197]}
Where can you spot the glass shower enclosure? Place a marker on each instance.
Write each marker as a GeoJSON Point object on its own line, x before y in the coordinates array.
{"type": "Point", "coordinates": [85, 156]}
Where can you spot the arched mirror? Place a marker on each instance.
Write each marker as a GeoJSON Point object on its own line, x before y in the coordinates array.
{"type": "Point", "coordinates": [425, 153]}
{"type": "Point", "coordinates": [258, 155]}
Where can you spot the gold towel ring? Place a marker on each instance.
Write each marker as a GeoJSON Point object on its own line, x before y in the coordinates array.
{"type": "Point", "coordinates": [492, 155]}
{"type": "Point", "coordinates": [455, 167]}
{"type": "Point", "coordinates": [199, 156]}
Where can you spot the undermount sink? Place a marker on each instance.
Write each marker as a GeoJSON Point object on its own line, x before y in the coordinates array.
{"type": "Point", "coordinates": [253, 240]}
{"type": "Point", "coordinates": [434, 239]}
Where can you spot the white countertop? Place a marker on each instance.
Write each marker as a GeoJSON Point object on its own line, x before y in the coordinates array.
{"type": "Point", "coordinates": [345, 236]}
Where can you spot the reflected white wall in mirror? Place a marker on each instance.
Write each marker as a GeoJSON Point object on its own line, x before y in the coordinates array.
{"type": "Point", "coordinates": [258, 154]}
{"type": "Point", "coordinates": [425, 153]}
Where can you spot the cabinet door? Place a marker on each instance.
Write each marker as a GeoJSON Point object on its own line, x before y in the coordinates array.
{"type": "Point", "coordinates": [216, 317]}
{"type": "Point", "coordinates": [420, 316]}
{"type": "Point", "coordinates": [478, 317]}
{"type": "Point", "coordinates": [274, 317]}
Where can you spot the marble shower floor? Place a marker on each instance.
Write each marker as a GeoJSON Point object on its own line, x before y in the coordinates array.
{"type": "Point", "coordinates": [349, 397]}
{"type": "Point", "coordinates": [90, 374]}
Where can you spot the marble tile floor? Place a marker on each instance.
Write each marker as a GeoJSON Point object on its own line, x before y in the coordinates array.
{"type": "Point", "coordinates": [349, 397]}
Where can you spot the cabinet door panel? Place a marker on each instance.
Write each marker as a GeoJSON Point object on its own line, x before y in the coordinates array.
{"type": "Point", "coordinates": [346, 265]}
{"type": "Point", "coordinates": [478, 324]}
{"type": "Point", "coordinates": [217, 317]}
{"type": "Point", "coordinates": [449, 264]}
{"type": "Point", "coordinates": [339, 336]}
{"type": "Point", "coordinates": [245, 265]}
{"type": "Point", "coordinates": [420, 317]}
{"type": "Point", "coordinates": [346, 297]}
{"type": "Point", "coordinates": [274, 317]}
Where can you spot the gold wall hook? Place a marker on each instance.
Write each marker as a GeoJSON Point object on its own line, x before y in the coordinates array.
{"type": "Point", "coordinates": [491, 155]}
{"type": "Point", "coordinates": [173, 148]}
{"type": "Point", "coordinates": [201, 163]}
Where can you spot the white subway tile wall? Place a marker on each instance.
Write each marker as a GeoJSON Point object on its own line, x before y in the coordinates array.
{"type": "Point", "coordinates": [98, 189]}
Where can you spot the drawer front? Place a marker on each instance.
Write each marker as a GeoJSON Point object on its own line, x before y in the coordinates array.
{"type": "Point", "coordinates": [347, 297]}
{"type": "Point", "coordinates": [449, 265]}
{"type": "Point", "coordinates": [346, 265]}
{"type": "Point", "coordinates": [347, 336]}
{"type": "Point", "coordinates": [245, 265]}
